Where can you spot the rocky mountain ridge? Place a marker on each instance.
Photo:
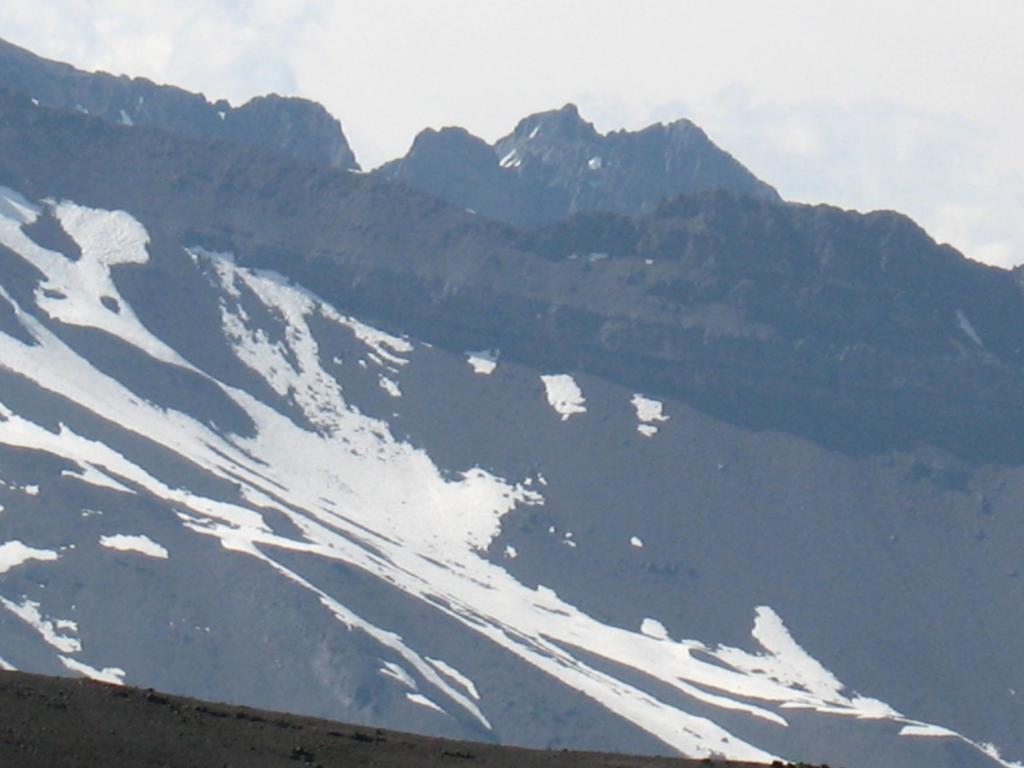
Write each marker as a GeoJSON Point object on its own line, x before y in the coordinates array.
{"type": "Point", "coordinates": [296, 127]}
{"type": "Point", "coordinates": [555, 164]}
{"type": "Point", "coordinates": [856, 330]}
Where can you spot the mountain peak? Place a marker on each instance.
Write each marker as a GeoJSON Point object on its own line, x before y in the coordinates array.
{"type": "Point", "coordinates": [556, 163]}
{"type": "Point", "coordinates": [564, 124]}
{"type": "Point", "coordinates": [293, 126]}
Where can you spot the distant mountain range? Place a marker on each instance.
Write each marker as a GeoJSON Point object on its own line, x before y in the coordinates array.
{"type": "Point", "coordinates": [632, 455]}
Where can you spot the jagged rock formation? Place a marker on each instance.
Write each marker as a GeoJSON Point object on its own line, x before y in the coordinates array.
{"type": "Point", "coordinates": [555, 164]}
{"type": "Point", "coordinates": [296, 127]}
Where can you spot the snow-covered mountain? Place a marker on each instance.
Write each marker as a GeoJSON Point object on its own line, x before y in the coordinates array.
{"type": "Point", "coordinates": [737, 478]}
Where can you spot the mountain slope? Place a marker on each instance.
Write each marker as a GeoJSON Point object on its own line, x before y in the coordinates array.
{"type": "Point", "coordinates": [296, 127]}
{"type": "Point", "coordinates": [220, 482]}
{"type": "Point", "coordinates": [856, 331]}
{"type": "Point", "coordinates": [555, 164]}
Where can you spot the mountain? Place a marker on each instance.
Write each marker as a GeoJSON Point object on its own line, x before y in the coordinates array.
{"type": "Point", "coordinates": [735, 477]}
{"type": "Point", "coordinates": [296, 127]}
{"type": "Point", "coordinates": [555, 164]}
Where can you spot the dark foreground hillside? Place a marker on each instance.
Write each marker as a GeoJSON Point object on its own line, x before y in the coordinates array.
{"type": "Point", "coordinates": [55, 722]}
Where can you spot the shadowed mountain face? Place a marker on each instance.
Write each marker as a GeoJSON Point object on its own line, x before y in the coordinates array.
{"type": "Point", "coordinates": [555, 164]}
{"type": "Point", "coordinates": [734, 477]}
{"type": "Point", "coordinates": [296, 127]}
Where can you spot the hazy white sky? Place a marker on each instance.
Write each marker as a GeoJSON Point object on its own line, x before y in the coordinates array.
{"type": "Point", "coordinates": [916, 105]}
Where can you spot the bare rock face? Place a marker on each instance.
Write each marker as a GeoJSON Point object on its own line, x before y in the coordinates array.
{"type": "Point", "coordinates": [555, 164]}
{"type": "Point", "coordinates": [296, 127]}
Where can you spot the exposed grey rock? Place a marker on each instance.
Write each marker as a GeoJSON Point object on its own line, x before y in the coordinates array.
{"type": "Point", "coordinates": [555, 164]}
{"type": "Point", "coordinates": [296, 127]}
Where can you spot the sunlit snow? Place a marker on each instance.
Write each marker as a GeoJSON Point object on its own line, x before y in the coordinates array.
{"type": "Point", "coordinates": [139, 544]}
{"type": "Point", "coordinates": [111, 675]}
{"type": "Point", "coordinates": [483, 362]}
{"type": "Point", "coordinates": [647, 412]}
{"type": "Point", "coordinates": [564, 395]}
{"type": "Point", "coordinates": [14, 553]}
{"type": "Point", "coordinates": [358, 495]}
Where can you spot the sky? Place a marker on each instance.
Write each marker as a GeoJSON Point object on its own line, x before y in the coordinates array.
{"type": "Point", "coordinates": [916, 105]}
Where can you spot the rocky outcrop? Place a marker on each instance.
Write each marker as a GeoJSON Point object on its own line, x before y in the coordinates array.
{"type": "Point", "coordinates": [296, 127]}
{"type": "Point", "coordinates": [555, 164]}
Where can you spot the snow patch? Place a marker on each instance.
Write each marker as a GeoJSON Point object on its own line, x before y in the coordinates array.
{"type": "Point", "coordinates": [14, 553]}
{"type": "Point", "coordinates": [648, 411]}
{"type": "Point", "coordinates": [511, 552]}
{"type": "Point", "coordinates": [968, 328]}
{"type": "Point", "coordinates": [142, 545]}
{"type": "Point", "coordinates": [564, 395]}
{"type": "Point", "coordinates": [389, 386]}
{"type": "Point", "coordinates": [125, 119]}
{"type": "Point", "coordinates": [93, 476]}
{"type": "Point", "coordinates": [50, 631]}
{"type": "Point", "coordinates": [483, 362]}
{"type": "Point", "coordinates": [453, 674]}
{"type": "Point", "coordinates": [511, 160]}
{"type": "Point", "coordinates": [110, 675]}
{"type": "Point", "coordinates": [636, 541]}
{"type": "Point", "coordinates": [595, 163]}
{"type": "Point", "coordinates": [654, 628]}
{"type": "Point", "coordinates": [423, 701]}
{"type": "Point", "coordinates": [397, 672]}
{"type": "Point", "coordinates": [931, 731]}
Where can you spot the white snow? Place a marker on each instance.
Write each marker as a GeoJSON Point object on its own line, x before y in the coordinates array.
{"type": "Point", "coordinates": [453, 674]}
{"type": "Point", "coordinates": [111, 675]}
{"type": "Point", "coordinates": [511, 552]}
{"type": "Point", "coordinates": [930, 731]}
{"type": "Point", "coordinates": [483, 362]}
{"type": "Point", "coordinates": [564, 395]}
{"type": "Point", "coordinates": [125, 119]}
{"type": "Point", "coordinates": [654, 628]}
{"type": "Point", "coordinates": [31, 490]}
{"type": "Point", "coordinates": [389, 386]}
{"type": "Point", "coordinates": [398, 672]}
{"type": "Point", "coordinates": [353, 493]}
{"type": "Point", "coordinates": [6, 666]}
{"type": "Point", "coordinates": [648, 411]}
{"type": "Point", "coordinates": [968, 328]}
{"type": "Point", "coordinates": [511, 160]}
{"type": "Point", "coordinates": [534, 132]}
{"type": "Point", "coordinates": [139, 544]}
{"type": "Point", "coordinates": [595, 163]}
{"type": "Point", "coordinates": [636, 541]}
{"type": "Point", "coordinates": [50, 631]}
{"type": "Point", "coordinates": [14, 553]}
{"type": "Point", "coordinates": [423, 701]}
{"type": "Point", "coordinates": [93, 476]}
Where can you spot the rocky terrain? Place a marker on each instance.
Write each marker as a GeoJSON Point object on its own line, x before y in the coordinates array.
{"type": "Point", "coordinates": [555, 164]}
{"type": "Point", "coordinates": [688, 480]}
{"type": "Point", "coordinates": [50, 722]}
{"type": "Point", "coordinates": [299, 128]}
